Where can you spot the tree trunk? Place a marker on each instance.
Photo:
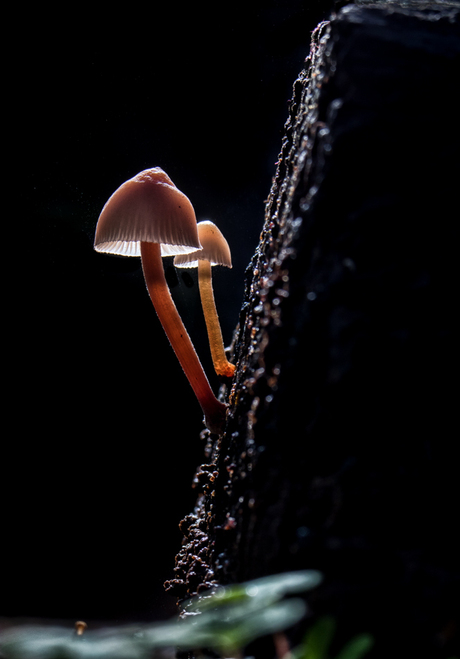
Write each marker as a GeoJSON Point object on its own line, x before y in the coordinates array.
{"type": "Point", "coordinates": [339, 450]}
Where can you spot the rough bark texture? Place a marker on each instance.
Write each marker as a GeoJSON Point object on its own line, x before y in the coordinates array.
{"type": "Point", "coordinates": [339, 450]}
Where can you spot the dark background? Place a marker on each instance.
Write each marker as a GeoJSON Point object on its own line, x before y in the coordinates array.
{"type": "Point", "coordinates": [101, 430]}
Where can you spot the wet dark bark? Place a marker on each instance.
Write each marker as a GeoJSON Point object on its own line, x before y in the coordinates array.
{"type": "Point", "coordinates": [339, 451]}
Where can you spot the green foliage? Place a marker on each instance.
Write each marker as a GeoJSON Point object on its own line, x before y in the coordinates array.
{"type": "Point", "coordinates": [224, 620]}
{"type": "Point", "coordinates": [316, 643]}
{"type": "Point", "coordinates": [319, 637]}
{"type": "Point", "coordinates": [255, 594]}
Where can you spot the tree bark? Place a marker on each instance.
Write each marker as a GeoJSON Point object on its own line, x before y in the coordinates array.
{"type": "Point", "coordinates": [339, 449]}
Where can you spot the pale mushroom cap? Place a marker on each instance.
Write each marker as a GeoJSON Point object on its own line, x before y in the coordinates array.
{"type": "Point", "coordinates": [215, 248]}
{"type": "Point", "coordinates": [147, 208]}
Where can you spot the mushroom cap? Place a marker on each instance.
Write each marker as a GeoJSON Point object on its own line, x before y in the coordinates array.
{"type": "Point", "coordinates": [215, 248]}
{"type": "Point", "coordinates": [147, 208]}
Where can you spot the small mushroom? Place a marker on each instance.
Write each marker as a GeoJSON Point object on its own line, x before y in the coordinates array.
{"type": "Point", "coordinates": [80, 627]}
{"type": "Point", "coordinates": [148, 216]}
{"type": "Point", "coordinates": [215, 252]}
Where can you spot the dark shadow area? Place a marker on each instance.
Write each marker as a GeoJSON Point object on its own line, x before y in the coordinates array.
{"type": "Point", "coordinates": [101, 436]}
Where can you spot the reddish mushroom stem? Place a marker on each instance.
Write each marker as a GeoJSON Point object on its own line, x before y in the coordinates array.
{"type": "Point", "coordinates": [152, 264]}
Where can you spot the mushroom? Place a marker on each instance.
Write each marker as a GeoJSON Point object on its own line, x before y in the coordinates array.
{"type": "Point", "coordinates": [148, 216]}
{"type": "Point", "coordinates": [80, 627]}
{"type": "Point", "coordinates": [215, 252]}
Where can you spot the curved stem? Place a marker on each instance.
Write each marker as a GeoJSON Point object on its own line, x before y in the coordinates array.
{"type": "Point", "coordinates": [152, 265]}
{"type": "Point", "coordinates": [221, 364]}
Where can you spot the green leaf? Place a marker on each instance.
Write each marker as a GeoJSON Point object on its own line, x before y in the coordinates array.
{"type": "Point", "coordinates": [227, 629]}
{"type": "Point", "coordinates": [317, 640]}
{"type": "Point", "coordinates": [257, 592]}
{"type": "Point", "coordinates": [61, 643]}
{"type": "Point", "coordinates": [225, 621]}
{"type": "Point", "coordinates": [357, 647]}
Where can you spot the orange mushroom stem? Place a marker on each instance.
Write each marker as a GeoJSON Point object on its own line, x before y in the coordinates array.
{"type": "Point", "coordinates": [222, 366]}
{"type": "Point", "coordinates": [148, 216]}
{"type": "Point", "coordinates": [215, 251]}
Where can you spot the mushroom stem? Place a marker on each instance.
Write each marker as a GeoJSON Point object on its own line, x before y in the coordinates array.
{"type": "Point", "coordinates": [222, 366]}
{"type": "Point", "coordinates": [152, 265]}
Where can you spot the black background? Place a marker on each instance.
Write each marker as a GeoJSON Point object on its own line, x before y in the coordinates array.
{"type": "Point", "coordinates": [101, 430]}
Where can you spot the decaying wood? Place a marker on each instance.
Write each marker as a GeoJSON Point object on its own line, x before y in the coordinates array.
{"type": "Point", "coordinates": [339, 450]}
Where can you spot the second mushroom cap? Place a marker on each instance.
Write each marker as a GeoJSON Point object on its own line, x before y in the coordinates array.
{"type": "Point", "coordinates": [215, 248]}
